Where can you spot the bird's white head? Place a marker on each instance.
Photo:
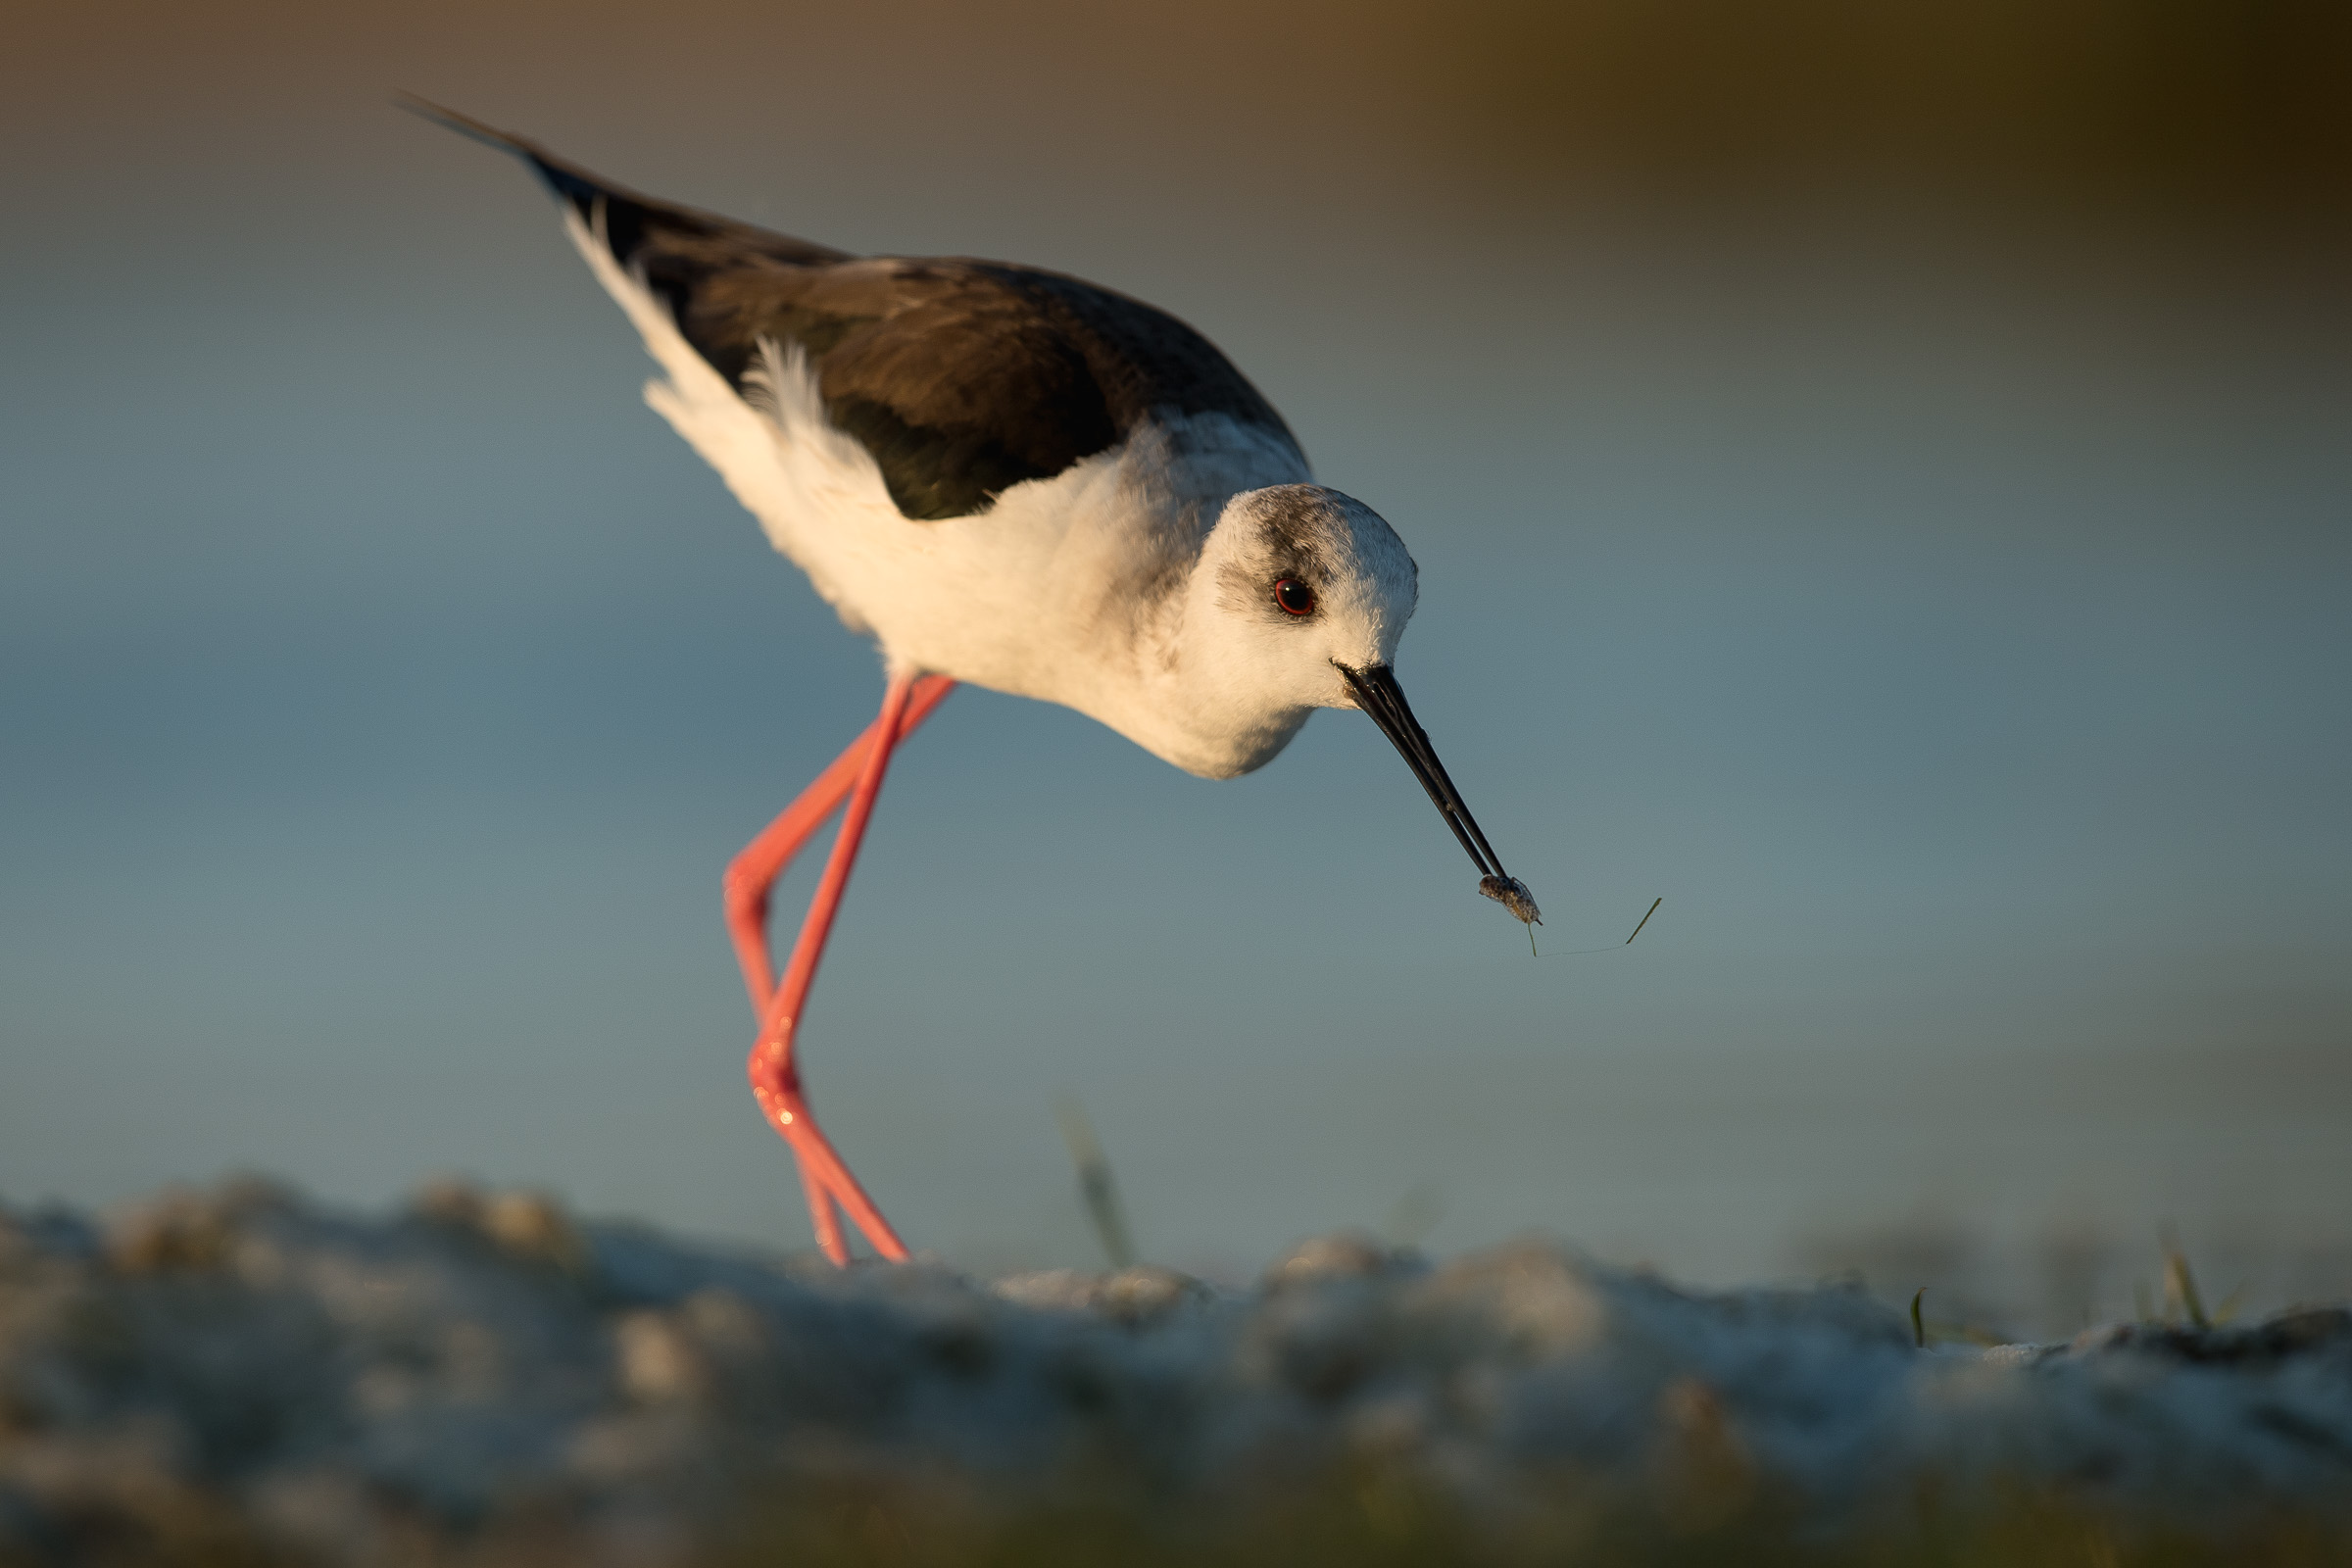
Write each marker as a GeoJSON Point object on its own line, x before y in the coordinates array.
{"type": "Point", "coordinates": [1296, 584]}
{"type": "Point", "coordinates": [1297, 603]}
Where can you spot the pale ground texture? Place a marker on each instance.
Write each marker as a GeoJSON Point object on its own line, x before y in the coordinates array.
{"type": "Point", "coordinates": [236, 1376]}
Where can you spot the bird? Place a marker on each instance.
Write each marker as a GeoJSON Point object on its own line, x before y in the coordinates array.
{"type": "Point", "coordinates": [1009, 478]}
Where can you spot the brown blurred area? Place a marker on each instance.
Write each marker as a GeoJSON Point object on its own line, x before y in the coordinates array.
{"type": "Point", "coordinates": [2196, 111]}
{"type": "Point", "coordinates": [2194, 105]}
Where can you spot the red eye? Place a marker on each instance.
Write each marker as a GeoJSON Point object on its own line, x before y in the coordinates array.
{"type": "Point", "coordinates": [1295, 596]}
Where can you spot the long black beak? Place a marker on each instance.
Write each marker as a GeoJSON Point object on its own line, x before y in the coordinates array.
{"type": "Point", "coordinates": [1378, 694]}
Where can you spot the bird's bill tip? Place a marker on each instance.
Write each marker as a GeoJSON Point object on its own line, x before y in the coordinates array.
{"type": "Point", "coordinates": [1378, 694]}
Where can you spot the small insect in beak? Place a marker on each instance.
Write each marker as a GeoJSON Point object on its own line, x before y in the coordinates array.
{"type": "Point", "coordinates": [1379, 696]}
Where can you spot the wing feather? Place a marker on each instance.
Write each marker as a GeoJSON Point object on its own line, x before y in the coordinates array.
{"type": "Point", "coordinates": [963, 377]}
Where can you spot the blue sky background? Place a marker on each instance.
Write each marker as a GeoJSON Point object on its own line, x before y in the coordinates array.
{"type": "Point", "coordinates": [1937, 593]}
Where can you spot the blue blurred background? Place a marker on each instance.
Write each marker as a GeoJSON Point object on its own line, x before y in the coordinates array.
{"type": "Point", "coordinates": [1880, 482]}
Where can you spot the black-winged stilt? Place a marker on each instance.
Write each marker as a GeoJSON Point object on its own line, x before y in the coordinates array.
{"type": "Point", "coordinates": [1009, 477]}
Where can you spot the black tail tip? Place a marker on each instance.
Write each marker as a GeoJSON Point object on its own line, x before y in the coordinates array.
{"type": "Point", "coordinates": [572, 184]}
{"type": "Point", "coordinates": [463, 125]}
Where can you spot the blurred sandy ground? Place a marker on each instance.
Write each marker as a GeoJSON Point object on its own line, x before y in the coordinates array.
{"type": "Point", "coordinates": [1880, 480]}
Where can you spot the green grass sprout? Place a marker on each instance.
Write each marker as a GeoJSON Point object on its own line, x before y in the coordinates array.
{"type": "Point", "coordinates": [1097, 1186]}
{"type": "Point", "coordinates": [1645, 915]}
{"type": "Point", "coordinates": [2180, 1282]}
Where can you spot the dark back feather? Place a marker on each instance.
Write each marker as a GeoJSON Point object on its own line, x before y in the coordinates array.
{"type": "Point", "coordinates": [961, 377]}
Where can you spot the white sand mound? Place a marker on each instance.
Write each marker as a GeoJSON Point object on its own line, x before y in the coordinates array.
{"type": "Point", "coordinates": [349, 1389]}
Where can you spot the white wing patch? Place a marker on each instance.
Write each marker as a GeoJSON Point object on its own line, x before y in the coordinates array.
{"type": "Point", "coordinates": [779, 454]}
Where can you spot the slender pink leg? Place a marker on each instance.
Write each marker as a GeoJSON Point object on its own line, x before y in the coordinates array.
{"type": "Point", "coordinates": [775, 1077]}
{"type": "Point", "coordinates": [753, 873]}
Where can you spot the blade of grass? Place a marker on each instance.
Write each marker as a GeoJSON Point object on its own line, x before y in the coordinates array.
{"type": "Point", "coordinates": [1645, 915]}
{"type": "Point", "coordinates": [2180, 1282]}
{"type": "Point", "coordinates": [1097, 1186]}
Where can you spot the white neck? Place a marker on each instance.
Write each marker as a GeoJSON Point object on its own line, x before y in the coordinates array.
{"type": "Point", "coordinates": [1133, 665]}
{"type": "Point", "coordinates": [1189, 700]}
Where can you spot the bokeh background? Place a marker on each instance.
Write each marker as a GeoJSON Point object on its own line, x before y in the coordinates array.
{"type": "Point", "coordinates": [1880, 476]}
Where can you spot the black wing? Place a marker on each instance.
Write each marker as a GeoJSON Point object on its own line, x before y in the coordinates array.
{"type": "Point", "coordinates": [961, 377]}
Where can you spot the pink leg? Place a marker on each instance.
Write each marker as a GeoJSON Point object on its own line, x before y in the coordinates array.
{"type": "Point", "coordinates": [753, 873]}
{"type": "Point", "coordinates": [775, 1077]}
